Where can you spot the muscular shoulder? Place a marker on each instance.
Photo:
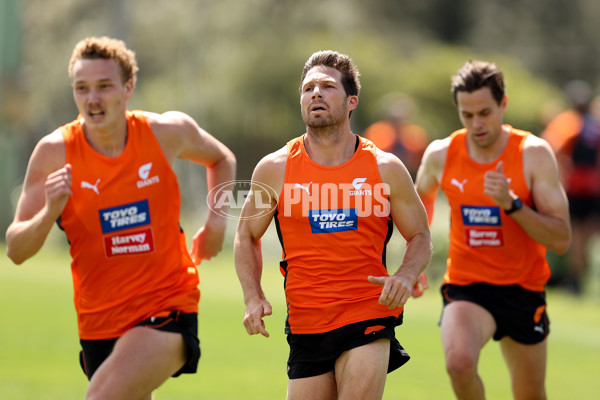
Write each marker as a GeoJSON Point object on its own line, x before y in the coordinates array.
{"type": "Point", "coordinates": [435, 153]}
{"type": "Point", "coordinates": [431, 170]}
{"type": "Point", "coordinates": [170, 120]}
{"type": "Point", "coordinates": [538, 157]}
{"type": "Point", "coordinates": [270, 170]}
{"type": "Point", "coordinates": [50, 152]}
{"type": "Point", "coordinates": [388, 164]}
{"type": "Point", "coordinates": [393, 172]}
{"type": "Point", "coordinates": [53, 139]}
{"type": "Point", "coordinates": [170, 125]}
{"type": "Point", "coordinates": [48, 156]}
{"type": "Point", "coordinates": [178, 135]}
{"type": "Point", "coordinates": [536, 146]}
{"type": "Point", "coordinates": [274, 160]}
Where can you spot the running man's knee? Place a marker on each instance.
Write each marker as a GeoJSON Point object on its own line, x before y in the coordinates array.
{"type": "Point", "coordinates": [461, 367]}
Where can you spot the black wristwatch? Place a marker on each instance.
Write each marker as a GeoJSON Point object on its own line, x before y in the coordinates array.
{"type": "Point", "coordinates": [517, 204]}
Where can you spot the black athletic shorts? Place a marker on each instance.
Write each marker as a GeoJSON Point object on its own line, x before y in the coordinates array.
{"type": "Point", "coordinates": [582, 208]}
{"type": "Point", "coordinates": [94, 352]}
{"type": "Point", "coordinates": [315, 354]}
{"type": "Point", "coordinates": [519, 313]}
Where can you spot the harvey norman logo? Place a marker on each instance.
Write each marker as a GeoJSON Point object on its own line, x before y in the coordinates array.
{"type": "Point", "coordinates": [228, 199]}
{"type": "Point", "coordinates": [124, 217]}
{"type": "Point", "coordinates": [481, 237]}
{"type": "Point", "coordinates": [482, 226]}
{"type": "Point", "coordinates": [137, 242]}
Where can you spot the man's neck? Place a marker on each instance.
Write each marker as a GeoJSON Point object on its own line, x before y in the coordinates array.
{"type": "Point", "coordinates": [329, 148]}
{"type": "Point", "coordinates": [109, 142]}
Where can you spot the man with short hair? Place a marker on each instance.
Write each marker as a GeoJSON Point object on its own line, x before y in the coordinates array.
{"type": "Point", "coordinates": [335, 198]}
{"type": "Point", "coordinates": [106, 179]}
{"type": "Point", "coordinates": [507, 206]}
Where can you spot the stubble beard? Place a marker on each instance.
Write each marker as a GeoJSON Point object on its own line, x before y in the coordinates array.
{"type": "Point", "coordinates": [328, 126]}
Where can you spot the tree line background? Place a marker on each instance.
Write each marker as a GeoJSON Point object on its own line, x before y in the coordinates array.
{"type": "Point", "coordinates": [235, 65]}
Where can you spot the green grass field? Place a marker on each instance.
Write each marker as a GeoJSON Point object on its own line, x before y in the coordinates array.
{"type": "Point", "coordinates": [38, 356]}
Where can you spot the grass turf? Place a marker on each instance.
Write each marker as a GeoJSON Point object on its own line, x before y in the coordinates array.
{"type": "Point", "coordinates": [38, 359]}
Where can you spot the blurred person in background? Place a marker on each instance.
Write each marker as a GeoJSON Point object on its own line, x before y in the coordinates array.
{"type": "Point", "coordinates": [397, 134]}
{"type": "Point", "coordinates": [507, 206]}
{"type": "Point", "coordinates": [574, 135]}
{"type": "Point", "coordinates": [335, 198]}
{"type": "Point", "coordinates": [107, 180]}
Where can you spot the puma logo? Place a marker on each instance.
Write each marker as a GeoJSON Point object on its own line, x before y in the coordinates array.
{"type": "Point", "coordinates": [458, 184]}
{"type": "Point", "coordinates": [539, 329]}
{"type": "Point", "coordinates": [87, 185]}
{"type": "Point", "coordinates": [304, 187]}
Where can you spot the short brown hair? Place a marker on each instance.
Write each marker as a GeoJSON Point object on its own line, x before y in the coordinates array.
{"type": "Point", "coordinates": [108, 49]}
{"type": "Point", "coordinates": [338, 61]}
{"type": "Point", "coordinates": [474, 75]}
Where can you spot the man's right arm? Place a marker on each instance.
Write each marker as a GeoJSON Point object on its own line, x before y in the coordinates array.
{"type": "Point", "coordinates": [45, 192]}
{"type": "Point", "coordinates": [427, 184]}
{"type": "Point", "coordinates": [429, 174]}
{"type": "Point", "coordinates": [267, 181]}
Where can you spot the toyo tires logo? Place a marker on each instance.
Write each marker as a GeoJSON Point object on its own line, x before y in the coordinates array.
{"type": "Point", "coordinates": [227, 199]}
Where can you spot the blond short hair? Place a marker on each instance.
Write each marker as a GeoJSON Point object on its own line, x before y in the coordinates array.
{"type": "Point", "coordinates": [108, 49]}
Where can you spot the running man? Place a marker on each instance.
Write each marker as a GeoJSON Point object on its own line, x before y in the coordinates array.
{"type": "Point", "coordinates": [106, 178]}
{"type": "Point", "coordinates": [335, 199]}
{"type": "Point", "coordinates": [507, 206]}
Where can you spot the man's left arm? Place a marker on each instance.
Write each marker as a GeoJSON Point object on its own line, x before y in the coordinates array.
{"type": "Point", "coordinates": [183, 138]}
{"type": "Point", "coordinates": [549, 223]}
{"type": "Point", "coordinates": [409, 216]}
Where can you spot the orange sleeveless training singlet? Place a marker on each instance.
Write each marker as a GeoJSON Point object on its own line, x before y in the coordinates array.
{"type": "Point", "coordinates": [122, 222]}
{"type": "Point", "coordinates": [486, 245]}
{"type": "Point", "coordinates": [334, 225]}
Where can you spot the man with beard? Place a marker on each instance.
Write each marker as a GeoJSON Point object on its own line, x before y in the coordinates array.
{"type": "Point", "coordinates": [335, 199]}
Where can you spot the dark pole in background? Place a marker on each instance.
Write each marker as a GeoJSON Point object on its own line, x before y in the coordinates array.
{"type": "Point", "coordinates": [11, 107]}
